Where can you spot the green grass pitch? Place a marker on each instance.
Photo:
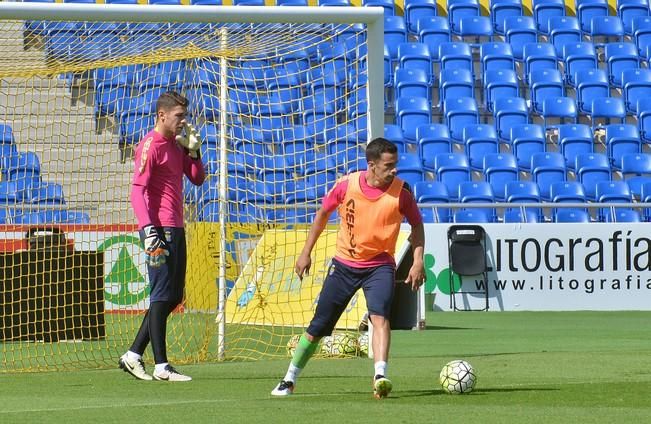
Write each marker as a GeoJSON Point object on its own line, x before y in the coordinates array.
{"type": "Point", "coordinates": [533, 367]}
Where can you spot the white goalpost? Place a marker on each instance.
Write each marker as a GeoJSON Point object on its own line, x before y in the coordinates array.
{"type": "Point", "coordinates": [285, 98]}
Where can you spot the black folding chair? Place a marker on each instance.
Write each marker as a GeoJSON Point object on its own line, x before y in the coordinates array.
{"type": "Point", "coordinates": [467, 257]}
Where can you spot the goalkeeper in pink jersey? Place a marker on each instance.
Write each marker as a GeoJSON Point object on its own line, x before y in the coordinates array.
{"type": "Point", "coordinates": [162, 157]}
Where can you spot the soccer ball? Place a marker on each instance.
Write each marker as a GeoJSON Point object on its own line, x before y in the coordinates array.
{"type": "Point", "coordinates": [458, 377]}
{"type": "Point", "coordinates": [339, 344]}
{"type": "Point", "coordinates": [292, 343]}
{"type": "Point", "coordinates": [362, 342]}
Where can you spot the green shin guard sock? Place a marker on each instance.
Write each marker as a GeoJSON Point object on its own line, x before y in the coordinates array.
{"type": "Point", "coordinates": [304, 351]}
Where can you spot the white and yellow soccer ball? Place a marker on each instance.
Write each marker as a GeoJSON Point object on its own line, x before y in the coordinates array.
{"type": "Point", "coordinates": [362, 342]}
{"type": "Point", "coordinates": [292, 343]}
{"type": "Point", "coordinates": [458, 377]}
{"type": "Point", "coordinates": [339, 345]}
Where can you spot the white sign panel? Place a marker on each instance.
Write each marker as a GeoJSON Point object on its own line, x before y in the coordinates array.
{"type": "Point", "coordinates": [543, 267]}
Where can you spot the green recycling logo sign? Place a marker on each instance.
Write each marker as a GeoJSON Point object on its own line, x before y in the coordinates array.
{"type": "Point", "coordinates": [124, 284]}
{"type": "Point", "coordinates": [440, 281]}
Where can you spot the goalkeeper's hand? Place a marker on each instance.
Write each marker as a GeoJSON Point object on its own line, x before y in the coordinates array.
{"type": "Point", "coordinates": [191, 140]}
{"type": "Point", "coordinates": [155, 248]}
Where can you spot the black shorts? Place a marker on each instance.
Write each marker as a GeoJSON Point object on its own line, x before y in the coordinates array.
{"type": "Point", "coordinates": [167, 281]}
{"type": "Point", "coordinates": [339, 287]}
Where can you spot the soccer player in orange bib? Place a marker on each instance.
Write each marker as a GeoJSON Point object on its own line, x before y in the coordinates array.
{"type": "Point", "coordinates": [371, 205]}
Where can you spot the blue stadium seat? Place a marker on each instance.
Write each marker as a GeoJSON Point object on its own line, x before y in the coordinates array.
{"type": "Point", "coordinates": [212, 2]}
{"type": "Point", "coordinates": [433, 31]}
{"type": "Point", "coordinates": [567, 192]}
{"type": "Point", "coordinates": [590, 84]}
{"type": "Point", "coordinates": [544, 10]}
{"type": "Point", "coordinates": [330, 3]}
{"type": "Point", "coordinates": [605, 30]}
{"type": "Point", "coordinates": [452, 169]}
{"type": "Point", "coordinates": [478, 192]}
{"type": "Point", "coordinates": [48, 193]}
{"type": "Point", "coordinates": [471, 216]}
{"type": "Point", "coordinates": [607, 110]}
{"type": "Point", "coordinates": [285, 84]}
{"type": "Point", "coordinates": [35, 217]}
{"type": "Point", "coordinates": [611, 192]}
{"type": "Point", "coordinates": [455, 83]}
{"type": "Point", "coordinates": [433, 192]}
{"type": "Point", "coordinates": [563, 30]}
{"type": "Point", "coordinates": [621, 139]}
{"type": "Point", "coordinates": [71, 217]}
{"type": "Point", "coordinates": [394, 134]}
{"type": "Point", "coordinates": [642, 35]}
{"type": "Point", "coordinates": [561, 108]}
{"type": "Point", "coordinates": [644, 119]}
{"type": "Point", "coordinates": [388, 5]}
{"type": "Point", "coordinates": [6, 134]}
{"type": "Point", "coordinates": [628, 10]}
{"type": "Point", "coordinates": [623, 215]}
{"type": "Point", "coordinates": [460, 112]}
{"type": "Point", "coordinates": [496, 55]}
{"type": "Point", "coordinates": [519, 215]}
{"type": "Point", "coordinates": [546, 169]}
{"type": "Point", "coordinates": [645, 197]}
{"type": "Point", "coordinates": [586, 10]}
{"type": "Point", "coordinates": [526, 140]}
{"type": "Point", "coordinates": [417, 9]}
{"type": "Point", "coordinates": [480, 140]}
{"type": "Point", "coordinates": [299, 191]}
{"type": "Point", "coordinates": [499, 83]}
{"type": "Point", "coordinates": [432, 139]}
{"type": "Point", "coordinates": [410, 113]}
{"type": "Point", "coordinates": [574, 140]}
{"type": "Point", "coordinates": [520, 31]}
{"type": "Point", "coordinates": [509, 111]}
{"type": "Point", "coordinates": [410, 168]}
{"type": "Point", "coordinates": [500, 169]}
{"type": "Point", "coordinates": [543, 84]}
{"type": "Point", "coordinates": [570, 215]}
{"type": "Point", "coordinates": [636, 170]}
{"type": "Point", "coordinates": [458, 9]}
{"type": "Point", "coordinates": [637, 85]}
{"type": "Point", "coordinates": [524, 192]}
{"type": "Point", "coordinates": [412, 83]}
{"type": "Point", "coordinates": [9, 193]}
{"type": "Point", "coordinates": [455, 55]}
{"type": "Point", "coordinates": [476, 30]}
{"type": "Point", "coordinates": [620, 57]}
{"type": "Point", "coordinates": [578, 57]}
{"type": "Point", "coordinates": [134, 126]}
{"type": "Point", "coordinates": [24, 169]}
{"type": "Point", "coordinates": [538, 56]}
{"type": "Point", "coordinates": [500, 10]}
{"type": "Point", "coordinates": [395, 33]}
{"type": "Point", "coordinates": [61, 40]}
{"type": "Point", "coordinates": [591, 169]}
{"type": "Point", "coordinates": [323, 182]}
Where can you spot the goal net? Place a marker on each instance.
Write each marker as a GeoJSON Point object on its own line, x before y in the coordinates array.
{"type": "Point", "coordinates": [285, 99]}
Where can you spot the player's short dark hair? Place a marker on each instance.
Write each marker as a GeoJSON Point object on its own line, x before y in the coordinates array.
{"type": "Point", "coordinates": [377, 146]}
{"type": "Point", "coordinates": [169, 100]}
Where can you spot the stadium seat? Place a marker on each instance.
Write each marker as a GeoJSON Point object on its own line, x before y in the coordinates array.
{"type": "Point", "coordinates": [606, 29]}
{"type": "Point", "coordinates": [454, 55]}
{"type": "Point", "coordinates": [645, 197]}
{"type": "Point", "coordinates": [538, 56]}
{"type": "Point", "coordinates": [6, 134]}
{"type": "Point", "coordinates": [591, 169]}
{"type": "Point", "coordinates": [561, 108]}
{"type": "Point", "coordinates": [478, 192]}
{"type": "Point", "coordinates": [433, 192]}
{"type": "Point", "coordinates": [9, 193]}
{"type": "Point", "coordinates": [567, 192]}
{"type": "Point", "coordinates": [388, 5]}
{"type": "Point", "coordinates": [475, 30]}
{"type": "Point", "coordinates": [455, 83]}
{"type": "Point", "coordinates": [590, 84]}
{"type": "Point", "coordinates": [621, 139]}
{"type": "Point", "coordinates": [578, 57]}
{"type": "Point", "coordinates": [480, 140]}
{"type": "Point", "coordinates": [524, 192]}
{"type": "Point", "coordinates": [637, 85]}
{"type": "Point", "coordinates": [212, 2]}
{"type": "Point", "coordinates": [644, 119]}
{"type": "Point", "coordinates": [323, 182]}
{"type": "Point", "coordinates": [642, 35]}
{"type": "Point", "coordinates": [452, 169]}
{"type": "Point", "coordinates": [571, 215]}
{"type": "Point", "coordinates": [134, 126]}
{"type": "Point", "coordinates": [544, 10]}
{"type": "Point", "coordinates": [500, 169]}
{"type": "Point", "coordinates": [417, 9]}
{"type": "Point", "coordinates": [432, 139]}
{"type": "Point", "coordinates": [412, 83]}
{"type": "Point", "coordinates": [460, 112]}
{"type": "Point", "coordinates": [526, 140]}
{"type": "Point", "coordinates": [520, 31]}
{"type": "Point", "coordinates": [611, 192]}
{"type": "Point", "coordinates": [48, 193]}
{"type": "Point", "coordinates": [607, 110]}
{"type": "Point", "coordinates": [574, 140]}
{"type": "Point", "coordinates": [394, 134]}
{"type": "Point", "coordinates": [410, 168]}
{"type": "Point", "coordinates": [471, 216]}
{"type": "Point", "coordinates": [433, 31]}
{"type": "Point", "coordinates": [496, 55]}
{"type": "Point", "coordinates": [499, 83]}
{"type": "Point", "coordinates": [636, 171]}
{"type": "Point", "coordinates": [71, 217]}
{"type": "Point", "coordinates": [586, 10]}
{"type": "Point", "coordinates": [524, 215]}
{"type": "Point", "coordinates": [628, 10]}
{"type": "Point", "coordinates": [500, 10]}
{"type": "Point", "coordinates": [285, 84]}
{"type": "Point", "coordinates": [563, 30]}
{"type": "Point", "coordinates": [546, 169]}
{"type": "Point", "coordinates": [410, 113]}
{"type": "Point", "coordinates": [24, 169]}
{"type": "Point", "coordinates": [509, 111]}
{"type": "Point", "coordinates": [459, 9]}
{"type": "Point", "coordinates": [620, 57]}
{"type": "Point", "coordinates": [543, 84]}
{"type": "Point", "coordinates": [623, 215]}
{"type": "Point", "coordinates": [395, 33]}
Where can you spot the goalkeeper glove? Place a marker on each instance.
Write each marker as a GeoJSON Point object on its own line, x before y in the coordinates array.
{"type": "Point", "coordinates": [155, 248]}
{"type": "Point", "coordinates": [191, 141]}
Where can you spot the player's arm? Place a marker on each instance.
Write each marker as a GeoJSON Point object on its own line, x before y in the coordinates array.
{"type": "Point", "coordinates": [409, 208]}
{"type": "Point", "coordinates": [193, 166]}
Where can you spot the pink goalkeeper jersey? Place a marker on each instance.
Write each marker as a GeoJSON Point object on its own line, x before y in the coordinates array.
{"type": "Point", "coordinates": [157, 193]}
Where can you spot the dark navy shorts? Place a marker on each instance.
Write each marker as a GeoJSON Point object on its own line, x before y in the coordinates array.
{"type": "Point", "coordinates": [167, 281]}
{"type": "Point", "coordinates": [339, 287]}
